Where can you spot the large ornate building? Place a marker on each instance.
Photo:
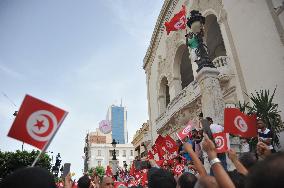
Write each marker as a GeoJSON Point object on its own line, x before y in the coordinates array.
{"type": "Point", "coordinates": [245, 42]}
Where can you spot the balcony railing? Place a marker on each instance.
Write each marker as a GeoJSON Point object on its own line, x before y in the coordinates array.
{"type": "Point", "coordinates": [222, 63]}
{"type": "Point", "coordinates": [186, 96]}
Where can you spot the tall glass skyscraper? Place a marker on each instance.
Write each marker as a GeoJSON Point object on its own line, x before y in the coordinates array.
{"type": "Point", "coordinates": [118, 118]}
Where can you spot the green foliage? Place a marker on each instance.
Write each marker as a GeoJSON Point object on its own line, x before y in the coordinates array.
{"type": "Point", "coordinates": [10, 161]}
{"type": "Point", "coordinates": [99, 170]}
{"type": "Point", "coordinates": [266, 109]}
{"type": "Point", "coordinates": [244, 107]}
{"type": "Point", "coordinates": [91, 171]}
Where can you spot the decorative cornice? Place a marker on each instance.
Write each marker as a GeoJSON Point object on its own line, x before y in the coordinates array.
{"type": "Point", "coordinates": [164, 16]}
{"type": "Point", "coordinates": [139, 133]}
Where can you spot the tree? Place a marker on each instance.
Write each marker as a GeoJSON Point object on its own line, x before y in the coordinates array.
{"type": "Point", "coordinates": [100, 171]}
{"type": "Point", "coordinates": [11, 161]}
{"type": "Point", "coordinates": [264, 107]}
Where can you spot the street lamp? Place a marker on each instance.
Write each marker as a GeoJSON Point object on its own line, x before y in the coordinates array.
{"type": "Point", "coordinates": [125, 166]}
{"type": "Point", "coordinates": [113, 145]}
{"type": "Point", "coordinates": [61, 170]}
{"type": "Point", "coordinates": [195, 39]}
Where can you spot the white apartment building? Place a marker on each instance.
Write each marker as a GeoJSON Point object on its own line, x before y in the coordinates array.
{"type": "Point", "coordinates": [101, 154]}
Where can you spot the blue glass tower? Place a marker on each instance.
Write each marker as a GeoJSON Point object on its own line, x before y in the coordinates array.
{"type": "Point", "coordinates": [118, 121]}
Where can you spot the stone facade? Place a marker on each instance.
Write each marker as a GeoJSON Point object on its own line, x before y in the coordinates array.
{"type": "Point", "coordinates": [141, 141]}
{"type": "Point", "coordinates": [235, 46]}
{"type": "Point", "coordinates": [98, 137]}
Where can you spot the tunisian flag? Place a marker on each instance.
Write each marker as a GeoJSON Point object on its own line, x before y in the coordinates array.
{"type": "Point", "coordinates": [185, 132]}
{"type": "Point", "coordinates": [240, 124]}
{"type": "Point", "coordinates": [150, 155]}
{"type": "Point", "coordinates": [108, 171]}
{"type": "Point", "coordinates": [36, 122]}
{"type": "Point", "coordinates": [222, 142]}
{"type": "Point", "coordinates": [170, 144]}
{"type": "Point", "coordinates": [178, 22]}
{"type": "Point", "coordinates": [118, 184]}
{"type": "Point", "coordinates": [178, 169]}
{"type": "Point", "coordinates": [159, 144]}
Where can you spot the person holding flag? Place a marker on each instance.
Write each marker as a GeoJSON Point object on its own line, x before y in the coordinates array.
{"type": "Point", "coordinates": [216, 128]}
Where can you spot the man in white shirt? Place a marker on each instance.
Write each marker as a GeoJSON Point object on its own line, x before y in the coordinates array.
{"type": "Point", "coordinates": [215, 128]}
{"type": "Point", "coordinates": [264, 134]}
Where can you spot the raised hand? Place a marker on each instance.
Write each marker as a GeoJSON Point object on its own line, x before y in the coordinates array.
{"type": "Point", "coordinates": [187, 147]}
{"type": "Point", "coordinates": [209, 147]}
{"type": "Point", "coordinates": [262, 150]}
{"type": "Point", "coordinates": [232, 155]}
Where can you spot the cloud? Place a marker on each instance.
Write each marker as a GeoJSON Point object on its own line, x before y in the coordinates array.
{"type": "Point", "coordinates": [10, 72]}
{"type": "Point", "coordinates": [138, 24]}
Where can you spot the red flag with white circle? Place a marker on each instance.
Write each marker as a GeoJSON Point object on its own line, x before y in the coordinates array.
{"type": "Point", "coordinates": [178, 169]}
{"type": "Point", "coordinates": [239, 124]}
{"type": "Point", "coordinates": [178, 22]}
{"type": "Point", "coordinates": [222, 142]}
{"type": "Point", "coordinates": [118, 184]}
{"type": "Point", "coordinates": [150, 155]}
{"type": "Point", "coordinates": [170, 144]}
{"type": "Point", "coordinates": [109, 171]}
{"type": "Point", "coordinates": [185, 132]}
{"type": "Point", "coordinates": [159, 144]}
{"type": "Point", "coordinates": [36, 122]}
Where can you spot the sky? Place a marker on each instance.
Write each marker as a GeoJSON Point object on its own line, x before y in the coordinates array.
{"type": "Point", "coordinates": [81, 56]}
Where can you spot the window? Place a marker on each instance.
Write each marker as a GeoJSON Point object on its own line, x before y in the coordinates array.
{"type": "Point", "coordinates": [124, 153]}
{"type": "Point", "coordinates": [164, 95]}
{"type": "Point", "coordinates": [131, 152]}
{"type": "Point", "coordinates": [99, 163]}
{"type": "Point", "coordinates": [99, 153]}
{"type": "Point", "coordinates": [111, 152]}
{"type": "Point", "coordinates": [186, 72]}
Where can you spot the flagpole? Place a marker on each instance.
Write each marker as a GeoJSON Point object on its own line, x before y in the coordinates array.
{"type": "Point", "coordinates": [49, 141]}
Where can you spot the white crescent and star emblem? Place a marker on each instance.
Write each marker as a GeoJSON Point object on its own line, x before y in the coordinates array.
{"type": "Point", "coordinates": [180, 23]}
{"type": "Point", "coordinates": [169, 144]}
{"type": "Point", "coordinates": [219, 140]}
{"type": "Point", "coordinates": [186, 130]}
{"type": "Point", "coordinates": [178, 168]}
{"type": "Point", "coordinates": [41, 125]}
{"type": "Point", "coordinates": [240, 123]}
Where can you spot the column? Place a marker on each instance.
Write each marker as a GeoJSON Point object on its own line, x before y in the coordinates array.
{"type": "Point", "coordinates": [211, 95]}
{"type": "Point", "coordinates": [174, 87]}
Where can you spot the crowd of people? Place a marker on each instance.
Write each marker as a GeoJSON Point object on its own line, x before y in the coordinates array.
{"type": "Point", "coordinates": [263, 167]}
